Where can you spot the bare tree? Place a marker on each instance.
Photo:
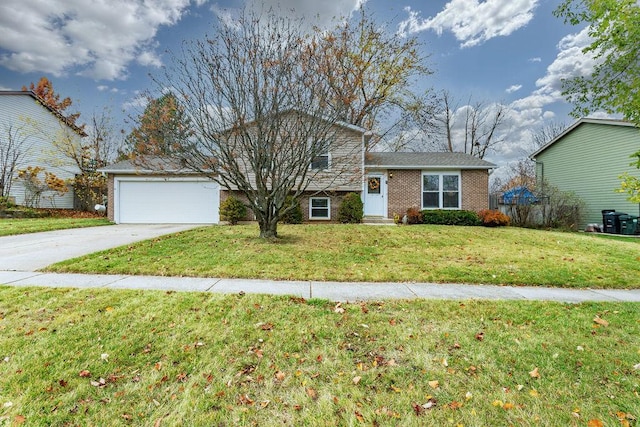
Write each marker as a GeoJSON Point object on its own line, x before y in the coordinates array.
{"type": "Point", "coordinates": [13, 148]}
{"type": "Point", "coordinates": [546, 133]}
{"type": "Point", "coordinates": [370, 72]}
{"type": "Point", "coordinates": [475, 128]}
{"type": "Point", "coordinates": [260, 114]}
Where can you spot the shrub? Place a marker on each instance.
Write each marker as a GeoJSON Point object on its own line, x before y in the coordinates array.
{"type": "Point", "coordinates": [445, 217]}
{"type": "Point", "coordinates": [232, 210]}
{"type": "Point", "coordinates": [6, 203]}
{"type": "Point", "coordinates": [493, 218]}
{"type": "Point", "coordinates": [414, 216]}
{"type": "Point", "coordinates": [294, 216]}
{"type": "Point", "coordinates": [351, 209]}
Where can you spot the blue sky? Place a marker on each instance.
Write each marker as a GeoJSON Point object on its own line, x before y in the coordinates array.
{"type": "Point", "coordinates": [101, 52]}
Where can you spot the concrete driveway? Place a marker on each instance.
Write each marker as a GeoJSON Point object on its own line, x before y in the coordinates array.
{"type": "Point", "coordinates": [30, 252]}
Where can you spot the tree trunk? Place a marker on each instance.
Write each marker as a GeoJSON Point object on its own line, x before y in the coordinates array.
{"type": "Point", "coordinates": [268, 228]}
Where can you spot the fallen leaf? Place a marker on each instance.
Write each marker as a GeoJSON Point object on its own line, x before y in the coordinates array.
{"type": "Point", "coordinates": [359, 416]}
{"type": "Point", "coordinates": [455, 405]}
{"type": "Point", "coordinates": [280, 376]}
{"type": "Point", "coordinates": [267, 326]}
{"type": "Point", "coordinates": [104, 356]}
{"type": "Point", "coordinates": [595, 423]}
{"type": "Point", "coordinates": [534, 373]}
{"type": "Point", "coordinates": [100, 383]}
{"type": "Point", "coordinates": [245, 400]}
{"type": "Point", "coordinates": [468, 396]}
{"type": "Point", "coordinates": [533, 393]}
{"type": "Point", "coordinates": [434, 384]}
{"type": "Point", "coordinates": [600, 321]}
{"type": "Point", "coordinates": [421, 409]}
{"type": "Point", "coordinates": [19, 419]}
{"type": "Point", "coordinates": [312, 393]}
{"type": "Point", "coordinates": [636, 366]}
{"type": "Point", "coordinates": [507, 406]}
{"type": "Point", "coordinates": [356, 380]}
{"type": "Point", "coordinates": [480, 336]}
{"type": "Point", "coordinates": [84, 373]}
{"type": "Point", "coordinates": [338, 308]}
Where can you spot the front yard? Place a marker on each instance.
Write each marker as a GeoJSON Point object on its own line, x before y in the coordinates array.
{"type": "Point", "coordinates": [425, 253]}
{"type": "Point", "coordinates": [116, 358]}
{"type": "Point", "coordinates": [13, 226]}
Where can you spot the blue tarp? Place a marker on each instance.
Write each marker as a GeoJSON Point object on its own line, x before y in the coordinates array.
{"type": "Point", "coordinates": [519, 195]}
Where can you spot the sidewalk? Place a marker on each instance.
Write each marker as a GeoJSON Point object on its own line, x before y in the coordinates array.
{"type": "Point", "coordinates": [335, 291]}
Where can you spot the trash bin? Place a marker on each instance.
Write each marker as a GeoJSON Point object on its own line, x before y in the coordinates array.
{"type": "Point", "coordinates": [628, 224]}
{"type": "Point", "coordinates": [611, 221]}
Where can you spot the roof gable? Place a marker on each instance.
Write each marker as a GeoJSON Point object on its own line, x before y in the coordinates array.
{"type": "Point", "coordinates": [40, 101]}
{"type": "Point", "coordinates": [582, 121]}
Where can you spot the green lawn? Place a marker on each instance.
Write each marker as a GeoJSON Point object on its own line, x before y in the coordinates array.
{"type": "Point", "coordinates": [11, 226]}
{"type": "Point", "coordinates": [116, 358]}
{"type": "Point", "coordinates": [424, 253]}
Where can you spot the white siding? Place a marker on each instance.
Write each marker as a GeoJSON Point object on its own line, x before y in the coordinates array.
{"type": "Point", "coordinates": [39, 127]}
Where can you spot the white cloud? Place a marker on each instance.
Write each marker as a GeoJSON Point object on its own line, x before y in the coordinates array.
{"type": "Point", "coordinates": [98, 40]}
{"type": "Point", "coordinates": [473, 22]}
{"type": "Point", "coordinates": [315, 13]}
{"type": "Point", "coordinates": [570, 62]}
{"type": "Point", "coordinates": [513, 88]}
{"type": "Point", "coordinates": [536, 59]}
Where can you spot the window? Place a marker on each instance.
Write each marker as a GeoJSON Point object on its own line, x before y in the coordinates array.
{"type": "Point", "coordinates": [320, 162]}
{"type": "Point", "coordinates": [373, 185]}
{"type": "Point", "coordinates": [440, 191]}
{"type": "Point", "coordinates": [319, 208]}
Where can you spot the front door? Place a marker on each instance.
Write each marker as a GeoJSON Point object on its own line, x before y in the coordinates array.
{"type": "Point", "coordinates": [375, 195]}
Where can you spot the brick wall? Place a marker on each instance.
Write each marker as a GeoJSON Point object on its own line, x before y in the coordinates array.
{"type": "Point", "coordinates": [404, 190]}
{"type": "Point", "coordinates": [475, 190]}
{"type": "Point", "coordinates": [110, 199]}
{"type": "Point", "coordinates": [335, 196]}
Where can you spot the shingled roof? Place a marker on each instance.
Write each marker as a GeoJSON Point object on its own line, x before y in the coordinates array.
{"type": "Point", "coordinates": [425, 160]}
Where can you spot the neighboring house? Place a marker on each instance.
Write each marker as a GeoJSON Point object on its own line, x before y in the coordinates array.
{"type": "Point", "coordinates": [33, 126]}
{"type": "Point", "coordinates": [587, 159]}
{"type": "Point", "coordinates": [388, 183]}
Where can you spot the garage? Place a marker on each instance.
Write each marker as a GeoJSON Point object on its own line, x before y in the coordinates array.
{"type": "Point", "coordinates": [166, 200]}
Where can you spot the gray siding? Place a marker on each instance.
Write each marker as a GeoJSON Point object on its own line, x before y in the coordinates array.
{"type": "Point", "coordinates": [588, 161]}
{"type": "Point", "coordinates": [39, 127]}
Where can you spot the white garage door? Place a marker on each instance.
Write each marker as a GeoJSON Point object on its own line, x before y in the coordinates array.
{"type": "Point", "coordinates": [170, 201]}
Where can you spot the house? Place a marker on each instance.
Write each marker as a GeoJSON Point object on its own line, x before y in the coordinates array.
{"type": "Point", "coordinates": [32, 126]}
{"type": "Point", "coordinates": [388, 183]}
{"type": "Point", "coordinates": [587, 159]}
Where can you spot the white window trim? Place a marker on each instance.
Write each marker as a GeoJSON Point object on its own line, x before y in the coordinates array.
{"type": "Point", "coordinates": [440, 190]}
{"type": "Point", "coordinates": [328, 217]}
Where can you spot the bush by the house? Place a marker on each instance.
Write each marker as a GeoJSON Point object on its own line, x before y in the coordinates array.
{"type": "Point", "coordinates": [232, 210]}
{"type": "Point", "coordinates": [294, 216]}
{"type": "Point", "coordinates": [414, 216]}
{"type": "Point", "coordinates": [453, 217]}
{"type": "Point", "coordinates": [493, 218]}
{"type": "Point", "coordinates": [351, 209]}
